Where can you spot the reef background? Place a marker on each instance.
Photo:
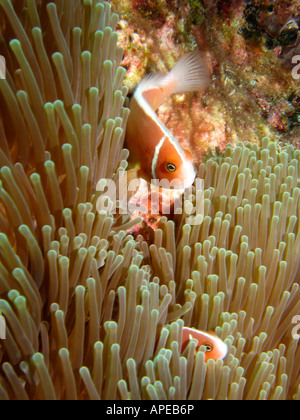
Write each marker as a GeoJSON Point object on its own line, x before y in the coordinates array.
{"type": "Point", "coordinates": [248, 46]}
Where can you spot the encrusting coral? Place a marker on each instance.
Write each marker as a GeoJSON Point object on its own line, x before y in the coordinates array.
{"type": "Point", "coordinates": [249, 46]}
{"type": "Point", "coordinates": [92, 313]}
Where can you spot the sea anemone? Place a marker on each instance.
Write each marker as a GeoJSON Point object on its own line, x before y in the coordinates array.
{"type": "Point", "coordinates": [91, 312]}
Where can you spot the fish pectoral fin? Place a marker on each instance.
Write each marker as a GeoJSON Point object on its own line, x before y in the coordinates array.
{"type": "Point", "coordinates": [132, 163]}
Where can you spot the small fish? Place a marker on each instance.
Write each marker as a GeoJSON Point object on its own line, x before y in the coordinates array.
{"type": "Point", "coordinates": [215, 347]}
{"type": "Point", "coordinates": [150, 143]}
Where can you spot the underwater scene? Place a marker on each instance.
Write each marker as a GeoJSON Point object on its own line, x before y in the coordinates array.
{"type": "Point", "coordinates": [150, 201]}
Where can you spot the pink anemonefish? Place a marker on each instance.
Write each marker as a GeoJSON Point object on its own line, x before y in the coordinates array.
{"type": "Point", "coordinates": [150, 143]}
{"type": "Point", "coordinates": [215, 347]}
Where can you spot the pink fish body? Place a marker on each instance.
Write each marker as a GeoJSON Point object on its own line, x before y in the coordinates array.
{"type": "Point", "coordinates": [215, 347]}
{"type": "Point", "coordinates": [150, 143]}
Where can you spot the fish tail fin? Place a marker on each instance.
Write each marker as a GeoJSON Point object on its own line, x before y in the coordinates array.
{"type": "Point", "coordinates": [190, 73]}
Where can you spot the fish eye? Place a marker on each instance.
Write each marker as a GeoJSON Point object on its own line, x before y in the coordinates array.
{"type": "Point", "coordinates": [208, 347]}
{"type": "Point", "coordinates": [170, 167]}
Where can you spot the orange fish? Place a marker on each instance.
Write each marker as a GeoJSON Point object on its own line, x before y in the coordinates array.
{"type": "Point", "coordinates": [215, 347]}
{"type": "Point", "coordinates": [150, 143]}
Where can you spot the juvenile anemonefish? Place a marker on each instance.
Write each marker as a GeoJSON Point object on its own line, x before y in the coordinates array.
{"type": "Point", "coordinates": [215, 347]}
{"type": "Point", "coordinates": [150, 143]}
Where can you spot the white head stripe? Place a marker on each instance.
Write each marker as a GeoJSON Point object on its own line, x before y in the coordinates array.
{"type": "Point", "coordinates": [155, 157]}
{"type": "Point", "coordinates": [149, 111]}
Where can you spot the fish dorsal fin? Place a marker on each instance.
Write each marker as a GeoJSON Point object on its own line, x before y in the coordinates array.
{"type": "Point", "coordinates": [153, 90]}
{"type": "Point", "coordinates": [190, 73]}
{"type": "Point", "coordinates": [151, 81]}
